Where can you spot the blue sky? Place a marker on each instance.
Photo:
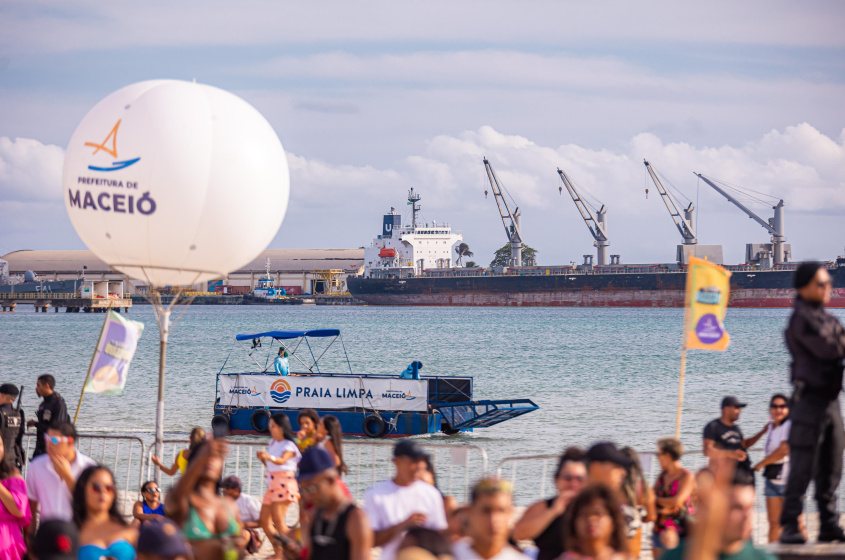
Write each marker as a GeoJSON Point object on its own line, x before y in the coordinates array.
{"type": "Point", "coordinates": [372, 98]}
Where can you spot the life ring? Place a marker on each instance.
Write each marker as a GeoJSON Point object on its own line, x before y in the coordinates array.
{"type": "Point", "coordinates": [374, 426]}
{"type": "Point", "coordinates": [260, 420]}
{"type": "Point", "coordinates": [220, 424]}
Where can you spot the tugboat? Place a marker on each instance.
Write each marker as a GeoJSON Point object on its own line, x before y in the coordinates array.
{"type": "Point", "coordinates": [265, 289]}
{"type": "Point", "coordinates": [374, 406]}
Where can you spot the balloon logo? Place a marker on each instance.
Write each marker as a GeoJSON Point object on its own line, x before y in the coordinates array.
{"type": "Point", "coordinates": [189, 183]}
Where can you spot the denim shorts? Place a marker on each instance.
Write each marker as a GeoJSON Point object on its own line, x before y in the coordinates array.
{"type": "Point", "coordinates": [774, 490]}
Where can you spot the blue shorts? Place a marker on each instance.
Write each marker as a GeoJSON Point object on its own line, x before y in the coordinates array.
{"type": "Point", "coordinates": [774, 490]}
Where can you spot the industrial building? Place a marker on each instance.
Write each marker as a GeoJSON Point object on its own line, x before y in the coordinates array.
{"type": "Point", "coordinates": [308, 271]}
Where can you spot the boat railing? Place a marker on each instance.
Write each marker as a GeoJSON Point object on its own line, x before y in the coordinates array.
{"type": "Point", "coordinates": [124, 455]}
{"type": "Point", "coordinates": [456, 466]}
{"type": "Point", "coordinates": [532, 478]}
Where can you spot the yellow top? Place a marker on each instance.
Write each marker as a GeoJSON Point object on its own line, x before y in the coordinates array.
{"type": "Point", "coordinates": [181, 461]}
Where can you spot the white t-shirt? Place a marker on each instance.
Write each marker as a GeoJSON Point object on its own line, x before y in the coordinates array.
{"type": "Point", "coordinates": [774, 437]}
{"type": "Point", "coordinates": [249, 507]}
{"type": "Point", "coordinates": [462, 550]}
{"type": "Point", "coordinates": [49, 490]}
{"type": "Point", "coordinates": [279, 448]}
{"type": "Point", "coordinates": [387, 504]}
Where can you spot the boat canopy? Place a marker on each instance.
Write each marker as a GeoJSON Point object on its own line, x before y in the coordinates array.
{"type": "Point", "coordinates": [285, 335]}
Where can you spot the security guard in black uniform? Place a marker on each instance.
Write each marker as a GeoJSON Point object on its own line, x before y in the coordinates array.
{"type": "Point", "coordinates": [816, 341]}
{"type": "Point", "coordinates": [51, 412]}
{"type": "Point", "coordinates": [11, 426]}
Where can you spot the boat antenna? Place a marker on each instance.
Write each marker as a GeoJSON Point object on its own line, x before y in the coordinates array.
{"type": "Point", "coordinates": [413, 199]}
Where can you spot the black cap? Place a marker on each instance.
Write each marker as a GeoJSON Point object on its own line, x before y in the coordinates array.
{"type": "Point", "coordinates": [409, 448]}
{"type": "Point", "coordinates": [56, 539]}
{"type": "Point", "coordinates": [314, 461]}
{"type": "Point", "coordinates": [805, 273]}
{"type": "Point", "coordinates": [730, 400]}
{"type": "Point", "coordinates": [9, 389]}
{"type": "Point", "coordinates": [163, 539]}
{"type": "Point", "coordinates": [606, 452]}
{"type": "Point", "coordinates": [231, 483]}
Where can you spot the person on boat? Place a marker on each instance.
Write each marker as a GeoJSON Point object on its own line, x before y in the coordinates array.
{"type": "Point", "coordinates": [281, 459]}
{"type": "Point", "coordinates": [542, 521]}
{"type": "Point", "coordinates": [211, 527]}
{"type": "Point", "coordinates": [673, 491]}
{"type": "Point", "coordinates": [775, 465]}
{"type": "Point", "coordinates": [639, 498]}
{"type": "Point", "coordinates": [281, 365]}
{"type": "Point", "coordinates": [15, 513]}
{"type": "Point", "coordinates": [489, 515]}
{"type": "Point", "coordinates": [395, 505]}
{"type": "Point", "coordinates": [149, 507]}
{"type": "Point", "coordinates": [338, 529]}
{"type": "Point", "coordinates": [180, 463]}
{"type": "Point", "coordinates": [103, 532]}
{"type": "Point", "coordinates": [307, 421]}
{"type": "Point", "coordinates": [594, 527]}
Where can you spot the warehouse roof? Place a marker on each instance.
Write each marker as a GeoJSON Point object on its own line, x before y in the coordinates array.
{"type": "Point", "coordinates": [281, 260]}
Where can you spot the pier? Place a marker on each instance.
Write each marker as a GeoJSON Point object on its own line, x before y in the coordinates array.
{"type": "Point", "coordinates": [72, 303]}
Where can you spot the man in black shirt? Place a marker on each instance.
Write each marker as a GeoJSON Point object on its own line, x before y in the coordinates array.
{"type": "Point", "coordinates": [816, 341]}
{"type": "Point", "coordinates": [51, 412]}
{"type": "Point", "coordinates": [723, 438]}
{"type": "Point", "coordinates": [11, 426]}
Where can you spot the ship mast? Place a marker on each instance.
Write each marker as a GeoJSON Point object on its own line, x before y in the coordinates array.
{"type": "Point", "coordinates": [413, 199]}
{"type": "Point", "coordinates": [685, 223]}
{"type": "Point", "coordinates": [774, 225]}
{"type": "Point", "coordinates": [510, 220]}
{"type": "Point", "coordinates": [596, 223]}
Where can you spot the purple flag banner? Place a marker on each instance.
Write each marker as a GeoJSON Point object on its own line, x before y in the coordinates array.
{"type": "Point", "coordinates": [114, 353]}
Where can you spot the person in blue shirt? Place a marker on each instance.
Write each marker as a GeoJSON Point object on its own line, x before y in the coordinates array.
{"type": "Point", "coordinates": [280, 364]}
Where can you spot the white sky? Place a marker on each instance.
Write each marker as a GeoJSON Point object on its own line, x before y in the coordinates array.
{"type": "Point", "coordinates": [372, 98]}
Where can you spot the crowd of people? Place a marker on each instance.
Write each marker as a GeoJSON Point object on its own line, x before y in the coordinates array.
{"type": "Point", "coordinates": [67, 506]}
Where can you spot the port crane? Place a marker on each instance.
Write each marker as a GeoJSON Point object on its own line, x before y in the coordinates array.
{"type": "Point", "coordinates": [686, 222]}
{"type": "Point", "coordinates": [510, 220]}
{"type": "Point", "coordinates": [773, 225]}
{"type": "Point", "coordinates": [596, 222]}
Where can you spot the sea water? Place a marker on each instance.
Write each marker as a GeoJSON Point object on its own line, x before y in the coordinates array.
{"type": "Point", "coordinates": [597, 374]}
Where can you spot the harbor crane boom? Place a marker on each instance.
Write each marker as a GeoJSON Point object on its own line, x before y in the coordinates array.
{"type": "Point", "coordinates": [596, 223]}
{"type": "Point", "coordinates": [685, 223]}
{"type": "Point", "coordinates": [773, 225]}
{"type": "Point", "coordinates": [510, 220]}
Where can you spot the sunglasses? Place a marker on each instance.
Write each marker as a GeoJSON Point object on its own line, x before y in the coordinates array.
{"type": "Point", "coordinates": [153, 490]}
{"type": "Point", "coordinates": [56, 440]}
{"type": "Point", "coordinates": [102, 488]}
{"type": "Point", "coordinates": [571, 477]}
{"type": "Point", "coordinates": [779, 406]}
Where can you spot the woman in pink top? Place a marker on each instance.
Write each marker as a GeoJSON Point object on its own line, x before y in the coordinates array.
{"type": "Point", "coordinates": [14, 510]}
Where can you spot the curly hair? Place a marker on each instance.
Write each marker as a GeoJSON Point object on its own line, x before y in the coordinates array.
{"type": "Point", "coordinates": [590, 494]}
{"type": "Point", "coordinates": [80, 508]}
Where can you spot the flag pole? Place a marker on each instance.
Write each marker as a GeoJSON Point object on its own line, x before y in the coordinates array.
{"type": "Point", "coordinates": [93, 357]}
{"type": "Point", "coordinates": [684, 344]}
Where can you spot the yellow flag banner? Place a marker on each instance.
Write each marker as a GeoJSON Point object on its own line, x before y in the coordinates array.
{"type": "Point", "coordinates": [708, 290]}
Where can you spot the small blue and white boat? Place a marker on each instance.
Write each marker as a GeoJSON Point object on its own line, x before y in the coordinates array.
{"type": "Point", "coordinates": [367, 405]}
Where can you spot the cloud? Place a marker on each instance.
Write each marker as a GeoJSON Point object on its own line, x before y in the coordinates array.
{"type": "Point", "coordinates": [29, 170]}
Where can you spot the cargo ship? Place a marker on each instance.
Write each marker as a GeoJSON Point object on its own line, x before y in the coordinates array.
{"type": "Point", "coordinates": [418, 264]}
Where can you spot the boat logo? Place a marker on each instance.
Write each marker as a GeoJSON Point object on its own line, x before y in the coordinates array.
{"type": "Point", "coordinates": [245, 391]}
{"type": "Point", "coordinates": [398, 395]}
{"type": "Point", "coordinates": [116, 165]}
{"type": "Point", "coordinates": [280, 391]}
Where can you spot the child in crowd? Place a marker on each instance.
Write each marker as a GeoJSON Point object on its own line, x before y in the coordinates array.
{"type": "Point", "coordinates": [308, 420]}
{"type": "Point", "coordinates": [281, 458]}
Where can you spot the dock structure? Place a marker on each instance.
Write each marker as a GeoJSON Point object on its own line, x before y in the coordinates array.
{"type": "Point", "coordinates": [72, 303]}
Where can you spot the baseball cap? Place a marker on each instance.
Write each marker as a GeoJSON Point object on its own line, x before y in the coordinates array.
{"type": "Point", "coordinates": [9, 389]}
{"type": "Point", "coordinates": [162, 538]}
{"type": "Point", "coordinates": [314, 461]}
{"type": "Point", "coordinates": [409, 448]}
{"type": "Point", "coordinates": [56, 539]}
{"type": "Point", "coordinates": [730, 400]}
{"type": "Point", "coordinates": [231, 483]}
{"type": "Point", "coordinates": [607, 452]}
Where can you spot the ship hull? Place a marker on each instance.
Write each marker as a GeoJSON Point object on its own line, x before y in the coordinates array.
{"type": "Point", "coordinates": [756, 289]}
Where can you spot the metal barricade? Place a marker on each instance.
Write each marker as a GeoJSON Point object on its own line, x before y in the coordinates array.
{"type": "Point", "coordinates": [123, 455]}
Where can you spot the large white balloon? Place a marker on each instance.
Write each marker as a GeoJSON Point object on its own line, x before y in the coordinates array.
{"type": "Point", "coordinates": [175, 182]}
